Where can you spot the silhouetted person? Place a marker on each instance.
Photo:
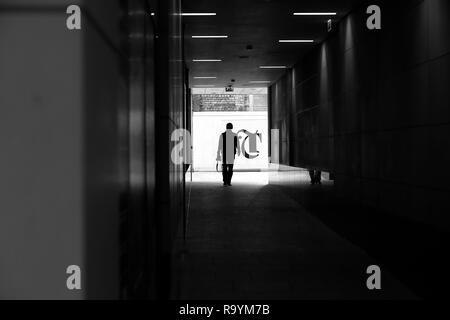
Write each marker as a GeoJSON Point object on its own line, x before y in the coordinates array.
{"type": "Point", "coordinates": [226, 152]}
{"type": "Point", "coordinates": [316, 176]}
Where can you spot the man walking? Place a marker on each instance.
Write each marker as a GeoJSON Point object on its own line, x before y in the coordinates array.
{"type": "Point", "coordinates": [226, 152]}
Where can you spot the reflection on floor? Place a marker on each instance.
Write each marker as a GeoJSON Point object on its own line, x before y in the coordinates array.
{"type": "Point", "coordinates": [239, 178]}
{"type": "Point", "coordinates": [252, 241]}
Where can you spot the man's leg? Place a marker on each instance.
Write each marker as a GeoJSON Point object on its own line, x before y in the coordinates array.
{"type": "Point", "coordinates": [319, 177]}
{"type": "Point", "coordinates": [224, 174]}
{"type": "Point", "coordinates": [230, 173]}
{"type": "Point", "coordinates": [311, 175]}
{"type": "Point", "coordinates": [227, 175]}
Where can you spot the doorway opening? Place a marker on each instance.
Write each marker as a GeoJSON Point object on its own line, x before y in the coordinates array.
{"type": "Point", "coordinates": [247, 110]}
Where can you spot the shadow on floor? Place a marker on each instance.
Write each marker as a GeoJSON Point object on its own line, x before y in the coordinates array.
{"type": "Point", "coordinates": [415, 253]}
{"type": "Point", "coordinates": [252, 241]}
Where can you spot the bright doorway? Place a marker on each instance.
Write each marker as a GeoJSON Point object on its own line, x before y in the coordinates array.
{"type": "Point", "coordinates": [247, 110]}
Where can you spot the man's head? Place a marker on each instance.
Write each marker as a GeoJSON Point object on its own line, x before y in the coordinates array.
{"type": "Point", "coordinates": [229, 126]}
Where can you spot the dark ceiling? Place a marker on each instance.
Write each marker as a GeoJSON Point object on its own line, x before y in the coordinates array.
{"type": "Point", "coordinates": [259, 23]}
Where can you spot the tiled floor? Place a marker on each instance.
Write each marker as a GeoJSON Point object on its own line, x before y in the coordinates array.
{"type": "Point", "coordinates": [252, 241]}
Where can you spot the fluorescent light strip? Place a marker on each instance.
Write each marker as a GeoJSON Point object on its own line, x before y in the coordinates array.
{"type": "Point", "coordinates": [296, 41]}
{"type": "Point", "coordinates": [205, 77]}
{"type": "Point", "coordinates": [315, 13]}
{"type": "Point", "coordinates": [199, 14]}
{"type": "Point", "coordinates": [272, 67]}
{"type": "Point", "coordinates": [206, 60]}
{"type": "Point", "coordinates": [209, 37]}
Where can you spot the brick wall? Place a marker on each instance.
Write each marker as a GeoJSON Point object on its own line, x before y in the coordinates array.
{"type": "Point", "coordinates": [229, 102]}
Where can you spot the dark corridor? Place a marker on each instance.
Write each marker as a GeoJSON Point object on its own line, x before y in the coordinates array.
{"type": "Point", "coordinates": [100, 196]}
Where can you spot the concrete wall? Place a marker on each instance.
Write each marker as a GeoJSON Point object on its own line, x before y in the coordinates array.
{"type": "Point", "coordinates": [61, 97]}
{"type": "Point", "coordinates": [373, 108]}
{"type": "Point", "coordinates": [170, 115]}
{"type": "Point", "coordinates": [80, 120]}
{"type": "Point", "coordinates": [137, 204]}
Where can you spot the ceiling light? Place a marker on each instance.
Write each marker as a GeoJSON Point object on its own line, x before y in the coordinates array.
{"type": "Point", "coordinates": [205, 77]}
{"type": "Point", "coordinates": [315, 13]}
{"type": "Point", "coordinates": [296, 41]}
{"type": "Point", "coordinates": [206, 60]}
{"type": "Point", "coordinates": [209, 37]}
{"type": "Point", "coordinates": [198, 14]}
{"type": "Point", "coordinates": [272, 67]}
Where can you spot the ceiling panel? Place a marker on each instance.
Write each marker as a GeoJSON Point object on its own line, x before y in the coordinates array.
{"type": "Point", "coordinates": [259, 23]}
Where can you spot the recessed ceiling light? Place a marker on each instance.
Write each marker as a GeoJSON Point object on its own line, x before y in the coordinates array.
{"type": "Point", "coordinates": [152, 13]}
{"type": "Point", "coordinates": [315, 13]}
{"type": "Point", "coordinates": [206, 60]}
{"type": "Point", "coordinates": [272, 67]}
{"type": "Point", "coordinates": [198, 14]}
{"type": "Point", "coordinates": [209, 37]}
{"type": "Point", "coordinates": [205, 77]}
{"type": "Point", "coordinates": [296, 41]}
